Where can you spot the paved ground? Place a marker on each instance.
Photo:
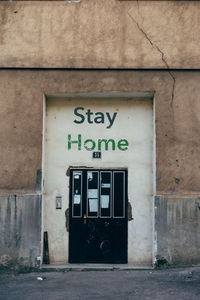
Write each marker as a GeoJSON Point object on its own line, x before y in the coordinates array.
{"type": "Point", "coordinates": [142, 284]}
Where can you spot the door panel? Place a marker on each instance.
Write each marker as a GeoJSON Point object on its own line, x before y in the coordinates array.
{"type": "Point", "coordinates": [77, 194]}
{"type": "Point", "coordinates": [92, 193]}
{"type": "Point", "coordinates": [98, 216]}
{"type": "Point", "coordinates": [119, 194]}
{"type": "Point", "coordinates": [105, 194]}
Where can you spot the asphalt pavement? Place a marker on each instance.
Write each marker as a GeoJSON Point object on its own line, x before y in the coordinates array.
{"type": "Point", "coordinates": [127, 284]}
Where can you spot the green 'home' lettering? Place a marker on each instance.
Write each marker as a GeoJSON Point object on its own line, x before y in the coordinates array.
{"type": "Point", "coordinates": [101, 144]}
{"type": "Point", "coordinates": [106, 144]}
{"type": "Point", "coordinates": [123, 145]}
{"type": "Point", "coordinates": [70, 142]}
{"type": "Point", "coordinates": [92, 145]}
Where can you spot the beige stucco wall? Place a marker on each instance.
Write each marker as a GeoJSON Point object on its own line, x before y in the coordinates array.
{"type": "Point", "coordinates": [177, 121]}
{"type": "Point", "coordinates": [104, 34]}
{"type": "Point", "coordinates": [100, 34]}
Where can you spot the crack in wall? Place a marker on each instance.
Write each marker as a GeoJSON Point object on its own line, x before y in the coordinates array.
{"type": "Point", "coordinates": [138, 6]}
{"type": "Point", "coordinates": [158, 49]}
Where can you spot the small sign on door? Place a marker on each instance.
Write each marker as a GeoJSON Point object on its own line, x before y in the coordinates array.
{"type": "Point", "coordinates": [77, 199]}
{"type": "Point", "coordinates": [93, 205]}
{"type": "Point", "coordinates": [92, 193]}
{"type": "Point", "coordinates": [105, 201]}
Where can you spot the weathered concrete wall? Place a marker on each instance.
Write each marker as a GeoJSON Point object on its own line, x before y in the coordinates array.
{"type": "Point", "coordinates": [20, 231]}
{"type": "Point", "coordinates": [177, 142]}
{"type": "Point", "coordinates": [177, 121]}
{"type": "Point", "coordinates": [178, 230]}
{"type": "Point", "coordinates": [100, 34]}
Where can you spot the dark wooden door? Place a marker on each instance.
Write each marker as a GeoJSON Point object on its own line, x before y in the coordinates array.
{"type": "Point", "coordinates": [98, 216]}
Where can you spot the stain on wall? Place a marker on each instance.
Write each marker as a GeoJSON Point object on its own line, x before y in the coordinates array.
{"type": "Point", "coordinates": [67, 219]}
{"type": "Point", "coordinates": [38, 180]}
{"type": "Point", "coordinates": [177, 225]}
{"type": "Point", "coordinates": [20, 231]}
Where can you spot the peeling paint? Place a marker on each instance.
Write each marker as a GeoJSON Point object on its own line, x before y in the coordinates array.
{"type": "Point", "coordinates": [161, 262]}
{"type": "Point", "coordinates": [130, 217]}
{"type": "Point", "coordinates": [177, 180]}
{"type": "Point", "coordinates": [38, 179]}
{"type": "Point", "coordinates": [67, 219]}
{"type": "Point", "coordinates": [158, 176]}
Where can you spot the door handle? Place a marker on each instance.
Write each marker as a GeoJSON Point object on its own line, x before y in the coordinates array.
{"type": "Point", "coordinates": [84, 218]}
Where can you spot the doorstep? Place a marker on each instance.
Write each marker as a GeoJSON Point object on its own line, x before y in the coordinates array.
{"type": "Point", "coordinates": [93, 267]}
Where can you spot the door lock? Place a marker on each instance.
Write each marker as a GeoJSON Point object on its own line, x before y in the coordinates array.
{"type": "Point", "coordinates": [84, 218]}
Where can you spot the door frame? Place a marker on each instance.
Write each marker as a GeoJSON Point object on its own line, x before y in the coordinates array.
{"type": "Point", "coordinates": [109, 94]}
